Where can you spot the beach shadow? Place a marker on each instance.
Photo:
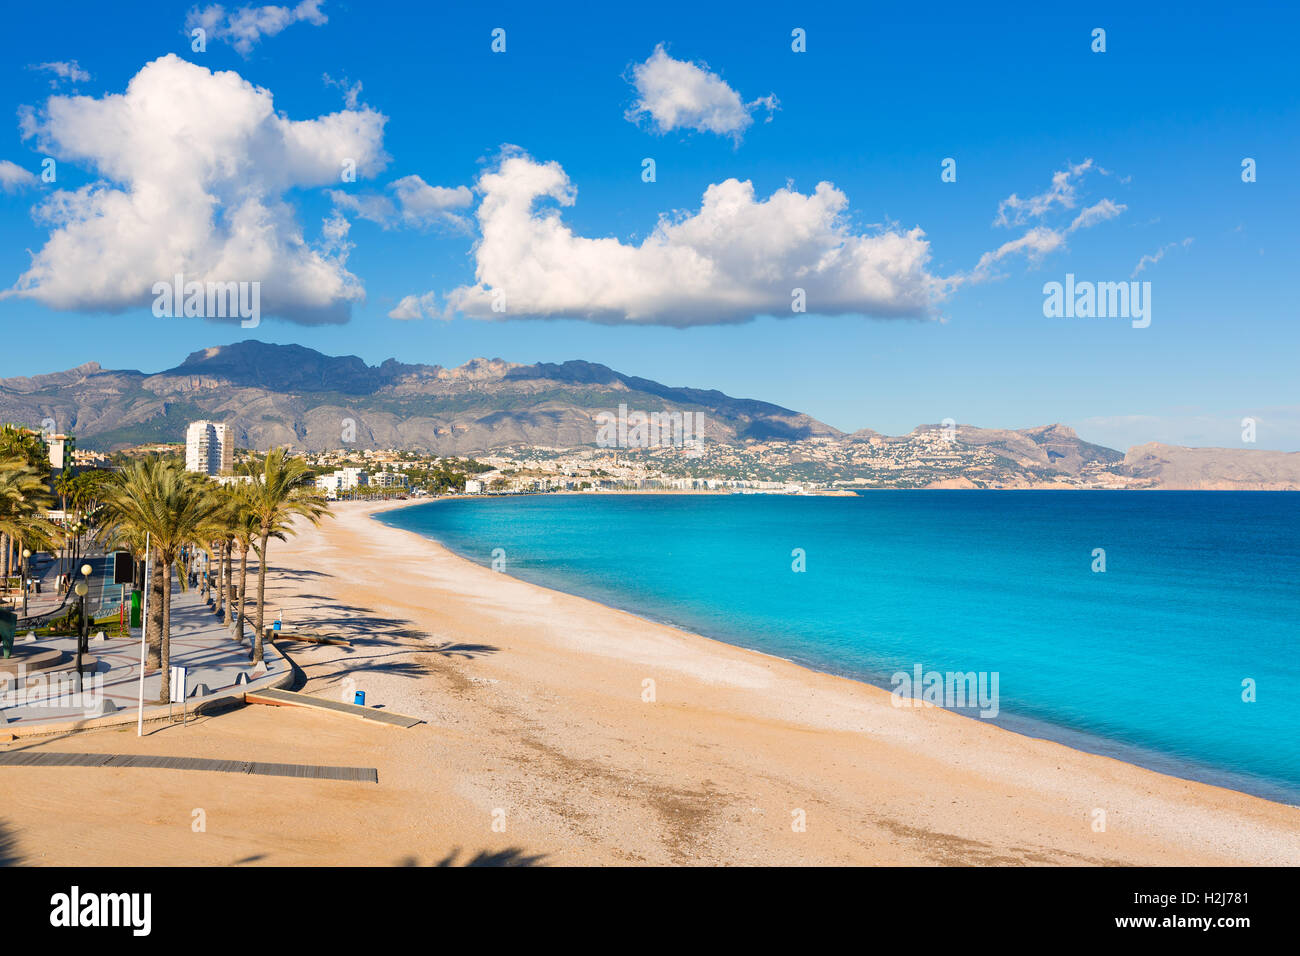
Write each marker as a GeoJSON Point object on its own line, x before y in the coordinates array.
{"type": "Point", "coordinates": [368, 633]}
{"type": "Point", "coordinates": [35, 742]}
{"type": "Point", "coordinates": [355, 660]}
{"type": "Point", "coordinates": [9, 855]}
{"type": "Point", "coordinates": [461, 649]}
{"type": "Point", "coordinates": [288, 572]}
{"type": "Point", "coordinates": [396, 668]}
{"type": "Point", "coordinates": [354, 623]}
{"type": "Point", "coordinates": [511, 856]}
{"type": "Point", "coordinates": [409, 633]}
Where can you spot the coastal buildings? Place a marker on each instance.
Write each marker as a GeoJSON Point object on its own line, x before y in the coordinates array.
{"type": "Point", "coordinates": [60, 451]}
{"type": "Point", "coordinates": [932, 456]}
{"type": "Point", "coordinates": [85, 458]}
{"type": "Point", "coordinates": [209, 448]}
{"type": "Point", "coordinates": [354, 479]}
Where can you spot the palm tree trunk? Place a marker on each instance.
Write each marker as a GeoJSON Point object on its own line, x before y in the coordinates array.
{"type": "Point", "coordinates": [230, 580]}
{"type": "Point", "coordinates": [243, 590]}
{"type": "Point", "coordinates": [261, 598]}
{"type": "Point", "coordinates": [153, 657]}
{"type": "Point", "coordinates": [221, 594]}
{"type": "Point", "coordinates": [166, 649]}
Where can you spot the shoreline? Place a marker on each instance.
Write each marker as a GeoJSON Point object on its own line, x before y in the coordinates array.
{"type": "Point", "coordinates": [883, 694]}
{"type": "Point", "coordinates": [595, 737]}
{"type": "Point", "coordinates": [1034, 728]}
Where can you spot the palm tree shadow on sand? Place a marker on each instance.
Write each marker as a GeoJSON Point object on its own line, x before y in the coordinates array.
{"type": "Point", "coordinates": [9, 855]}
{"type": "Point", "coordinates": [463, 649]}
{"type": "Point", "coordinates": [510, 856]}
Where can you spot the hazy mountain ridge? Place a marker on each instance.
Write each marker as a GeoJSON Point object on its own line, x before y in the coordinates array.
{"type": "Point", "coordinates": [1173, 466]}
{"type": "Point", "coordinates": [289, 394]}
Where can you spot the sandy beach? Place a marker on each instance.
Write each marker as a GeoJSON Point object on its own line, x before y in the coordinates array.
{"type": "Point", "coordinates": [539, 747]}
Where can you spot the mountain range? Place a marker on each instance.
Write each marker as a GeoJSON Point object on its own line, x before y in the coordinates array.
{"type": "Point", "coordinates": [292, 395]}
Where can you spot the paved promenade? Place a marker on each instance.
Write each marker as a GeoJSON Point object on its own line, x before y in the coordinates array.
{"type": "Point", "coordinates": [199, 642]}
{"type": "Point", "coordinates": [103, 596]}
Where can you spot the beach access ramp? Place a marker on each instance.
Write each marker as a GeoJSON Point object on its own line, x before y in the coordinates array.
{"type": "Point", "coordinates": [288, 698]}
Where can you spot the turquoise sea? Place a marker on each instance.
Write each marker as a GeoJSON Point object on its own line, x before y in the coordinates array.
{"type": "Point", "coordinates": [1145, 661]}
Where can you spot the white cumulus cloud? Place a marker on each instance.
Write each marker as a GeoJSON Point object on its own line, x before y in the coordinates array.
{"type": "Point", "coordinates": [244, 28]}
{"type": "Point", "coordinates": [193, 169]}
{"type": "Point", "coordinates": [677, 94]}
{"type": "Point", "coordinates": [736, 258]}
{"type": "Point", "coordinates": [13, 177]}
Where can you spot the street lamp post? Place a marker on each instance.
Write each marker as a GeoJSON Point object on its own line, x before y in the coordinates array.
{"type": "Point", "coordinates": [27, 556]}
{"type": "Point", "coordinates": [75, 546]}
{"type": "Point", "coordinates": [81, 590]}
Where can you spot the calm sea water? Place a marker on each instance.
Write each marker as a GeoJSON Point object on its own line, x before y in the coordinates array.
{"type": "Point", "coordinates": [1145, 661]}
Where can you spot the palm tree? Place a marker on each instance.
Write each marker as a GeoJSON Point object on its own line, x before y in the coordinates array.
{"type": "Point", "coordinates": [17, 441]}
{"type": "Point", "coordinates": [275, 497]}
{"type": "Point", "coordinates": [64, 485]}
{"type": "Point", "coordinates": [174, 507]}
{"type": "Point", "coordinates": [236, 526]}
{"type": "Point", "coordinates": [23, 496]}
{"type": "Point", "coordinates": [131, 539]}
{"type": "Point", "coordinates": [86, 489]}
{"type": "Point", "coordinates": [228, 575]}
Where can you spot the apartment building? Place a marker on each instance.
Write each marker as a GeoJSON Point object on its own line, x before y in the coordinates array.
{"type": "Point", "coordinates": [209, 448]}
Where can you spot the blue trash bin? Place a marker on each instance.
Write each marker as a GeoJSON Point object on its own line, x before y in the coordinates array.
{"type": "Point", "coordinates": [275, 626]}
{"type": "Point", "coordinates": [360, 699]}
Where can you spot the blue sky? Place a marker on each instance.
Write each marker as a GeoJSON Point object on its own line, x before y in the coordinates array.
{"type": "Point", "coordinates": [1166, 114]}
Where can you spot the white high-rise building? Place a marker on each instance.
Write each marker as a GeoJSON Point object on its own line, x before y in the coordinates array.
{"type": "Point", "coordinates": [60, 449]}
{"type": "Point", "coordinates": [209, 448]}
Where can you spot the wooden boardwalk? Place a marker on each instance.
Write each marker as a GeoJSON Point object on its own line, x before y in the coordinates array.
{"type": "Point", "coordinates": [27, 758]}
{"type": "Point", "coordinates": [288, 698]}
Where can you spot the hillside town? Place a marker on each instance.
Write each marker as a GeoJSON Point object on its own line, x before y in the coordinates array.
{"type": "Point", "coordinates": [930, 457]}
